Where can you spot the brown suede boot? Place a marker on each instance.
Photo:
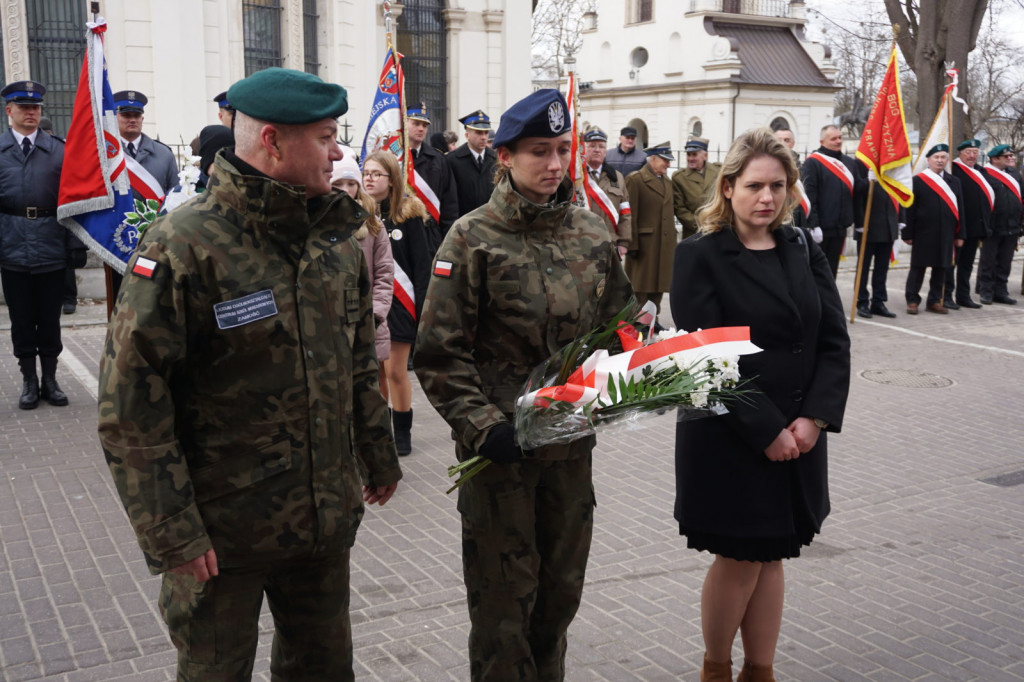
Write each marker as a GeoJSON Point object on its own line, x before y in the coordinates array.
{"type": "Point", "coordinates": [755, 673]}
{"type": "Point", "coordinates": [712, 671]}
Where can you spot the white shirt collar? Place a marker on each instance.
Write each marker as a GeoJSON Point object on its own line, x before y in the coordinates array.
{"type": "Point", "coordinates": [18, 137]}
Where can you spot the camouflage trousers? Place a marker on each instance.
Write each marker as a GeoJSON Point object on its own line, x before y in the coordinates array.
{"type": "Point", "coordinates": [214, 625]}
{"type": "Point", "coordinates": [526, 531]}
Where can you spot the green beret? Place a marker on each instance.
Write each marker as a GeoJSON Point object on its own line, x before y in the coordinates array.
{"type": "Point", "coordinates": [277, 95]}
{"type": "Point", "coordinates": [967, 144]}
{"type": "Point", "coordinates": [937, 148]}
{"type": "Point", "coordinates": [999, 150]}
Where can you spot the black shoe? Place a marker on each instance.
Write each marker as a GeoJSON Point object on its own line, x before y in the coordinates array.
{"type": "Point", "coordinates": [51, 393]}
{"type": "Point", "coordinates": [968, 303]}
{"type": "Point", "coordinates": [29, 399]}
{"type": "Point", "coordinates": [70, 307]}
{"type": "Point", "coordinates": [987, 300]}
{"type": "Point", "coordinates": [863, 311]}
{"type": "Point", "coordinates": [880, 310]}
{"type": "Point", "coordinates": [1003, 298]}
{"type": "Point", "coordinates": [951, 304]}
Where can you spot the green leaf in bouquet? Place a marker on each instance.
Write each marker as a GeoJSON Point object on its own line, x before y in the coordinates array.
{"type": "Point", "coordinates": [153, 205]}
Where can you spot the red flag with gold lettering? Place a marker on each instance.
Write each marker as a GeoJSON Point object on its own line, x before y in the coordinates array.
{"type": "Point", "coordinates": [884, 147]}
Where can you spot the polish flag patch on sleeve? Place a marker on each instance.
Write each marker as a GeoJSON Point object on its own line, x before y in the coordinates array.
{"type": "Point", "coordinates": [443, 268]}
{"type": "Point", "coordinates": [144, 267]}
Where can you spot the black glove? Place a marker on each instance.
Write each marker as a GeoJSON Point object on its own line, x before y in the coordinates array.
{"type": "Point", "coordinates": [500, 446]}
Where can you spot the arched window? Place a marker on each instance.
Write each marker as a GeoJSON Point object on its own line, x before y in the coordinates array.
{"type": "Point", "coordinates": [56, 47]}
{"type": "Point", "coordinates": [697, 128]}
{"type": "Point", "coordinates": [422, 38]}
{"type": "Point", "coordinates": [779, 123]}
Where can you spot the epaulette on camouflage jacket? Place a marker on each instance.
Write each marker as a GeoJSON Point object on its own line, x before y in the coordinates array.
{"type": "Point", "coordinates": [513, 282]}
{"type": "Point", "coordinates": [239, 402]}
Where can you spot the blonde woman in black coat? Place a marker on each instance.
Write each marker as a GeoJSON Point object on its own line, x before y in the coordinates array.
{"type": "Point", "coordinates": [752, 485]}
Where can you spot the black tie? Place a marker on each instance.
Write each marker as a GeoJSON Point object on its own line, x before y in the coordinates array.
{"type": "Point", "coordinates": [26, 145]}
{"type": "Point", "coordinates": [131, 149]}
{"type": "Point", "coordinates": [480, 163]}
{"type": "Point", "coordinates": [415, 155]}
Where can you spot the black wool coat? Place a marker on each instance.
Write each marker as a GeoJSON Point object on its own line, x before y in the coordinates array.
{"type": "Point", "coordinates": [433, 167]}
{"type": "Point", "coordinates": [931, 225]}
{"type": "Point", "coordinates": [831, 202]}
{"type": "Point", "coordinates": [725, 484]}
{"type": "Point", "coordinates": [977, 213]}
{"type": "Point", "coordinates": [474, 186]}
{"type": "Point", "coordinates": [885, 218]}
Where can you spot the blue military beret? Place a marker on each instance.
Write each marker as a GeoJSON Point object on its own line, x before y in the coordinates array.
{"type": "Point", "coordinates": [222, 101]}
{"type": "Point", "coordinates": [23, 92]}
{"type": "Point", "coordinates": [478, 120]}
{"type": "Point", "coordinates": [543, 113]}
{"type": "Point", "coordinates": [999, 150]}
{"type": "Point", "coordinates": [418, 113]}
{"type": "Point", "coordinates": [664, 150]}
{"type": "Point", "coordinates": [967, 144]}
{"type": "Point", "coordinates": [129, 100]}
{"type": "Point", "coordinates": [277, 95]}
{"type": "Point", "coordinates": [595, 133]}
{"type": "Point", "coordinates": [938, 148]}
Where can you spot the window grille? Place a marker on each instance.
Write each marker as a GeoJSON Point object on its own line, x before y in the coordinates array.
{"type": "Point", "coordinates": [422, 39]}
{"type": "Point", "coordinates": [261, 27]}
{"type": "Point", "coordinates": [309, 42]}
{"type": "Point", "coordinates": [56, 48]}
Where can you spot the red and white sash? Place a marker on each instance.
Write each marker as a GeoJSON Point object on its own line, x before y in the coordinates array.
{"type": "Point", "coordinates": [942, 188]}
{"type": "Point", "coordinates": [142, 181]}
{"type": "Point", "coordinates": [805, 203]}
{"type": "Point", "coordinates": [980, 181]}
{"type": "Point", "coordinates": [404, 292]}
{"type": "Point", "coordinates": [423, 191]}
{"type": "Point", "coordinates": [607, 206]}
{"type": "Point", "coordinates": [1005, 178]}
{"type": "Point", "coordinates": [837, 167]}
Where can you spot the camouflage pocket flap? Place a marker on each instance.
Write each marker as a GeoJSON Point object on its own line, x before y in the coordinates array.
{"type": "Point", "coordinates": [241, 471]}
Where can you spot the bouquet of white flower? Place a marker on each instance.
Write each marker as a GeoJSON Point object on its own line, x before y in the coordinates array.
{"type": "Point", "coordinates": [611, 377]}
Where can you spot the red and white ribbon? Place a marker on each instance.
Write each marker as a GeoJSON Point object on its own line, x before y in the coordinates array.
{"type": "Point", "coordinates": [837, 167]}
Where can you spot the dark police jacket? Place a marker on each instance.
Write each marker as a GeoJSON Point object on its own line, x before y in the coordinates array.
{"type": "Point", "coordinates": [831, 201]}
{"type": "Point", "coordinates": [977, 212]}
{"type": "Point", "coordinates": [474, 186]}
{"type": "Point", "coordinates": [433, 167]}
{"type": "Point", "coordinates": [931, 224]}
{"type": "Point", "coordinates": [158, 159]}
{"type": "Point", "coordinates": [1006, 216]}
{"type": "Point", "coordinates": [725, 483]}
{"type": "Point", "coordinates": [31, 244]}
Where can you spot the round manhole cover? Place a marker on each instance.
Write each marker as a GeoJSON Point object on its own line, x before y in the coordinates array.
{"type": "Point", "coordinates": [906, 377]}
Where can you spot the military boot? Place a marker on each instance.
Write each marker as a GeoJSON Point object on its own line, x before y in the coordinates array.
{"type": "Point", "coordinates": [402, 422]}
{"type": "Point", "coordinates": [50, 390]}
{"type": "Point", "coordinates": [29, 399]}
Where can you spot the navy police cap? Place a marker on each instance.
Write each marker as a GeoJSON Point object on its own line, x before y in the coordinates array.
{"type": "Point", "coordinates": [478, 120]}
{"type": "Point", "coordinates": [941, 147]}
{"type": "Point", "coordinates": [418, 113]}
{"type": "Point", "coordinates": [23, 92]}
{"type": "Point", "coordinates": [543, 113]}
{"type": "Point", "coordinates": [130, 100]}
{"type": "Point", "coordinates": [287, 96]}
{"type": "Point", "coordinates": [222, 101]}
{"type": "Point", "coordinates": [966, 144]}
{"type": "Point", "coordinates": [595, 134]}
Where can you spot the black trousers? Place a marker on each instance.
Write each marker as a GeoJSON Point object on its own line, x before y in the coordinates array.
{"type": "Point", "coordinates": [876, 258]}
{"type": "Point", "coordinates": [34, 302]}
{"type": "Point", "coordinates": [833, 248]}
{"type": "Point", "coordinates": [958, 279]}
{"type": "Point", "coordinates": [995, 263]}
{"type": "Point", "coordinates": [915, 278]}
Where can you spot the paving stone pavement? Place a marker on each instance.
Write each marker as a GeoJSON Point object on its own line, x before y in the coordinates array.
{"type": "Point", "coordinates": [918, 574]}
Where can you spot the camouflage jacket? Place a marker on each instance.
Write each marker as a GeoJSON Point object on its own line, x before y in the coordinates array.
{"type": "Point", "coordinates": [513, 282]}
{"type": "Point", "coordinates": [238, 388]}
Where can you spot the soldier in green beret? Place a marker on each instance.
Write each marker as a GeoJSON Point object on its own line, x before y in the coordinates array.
{"type": "Point", "coordinates": [513, 281]}
{"type": "Point", "coordinates": [239, 402]}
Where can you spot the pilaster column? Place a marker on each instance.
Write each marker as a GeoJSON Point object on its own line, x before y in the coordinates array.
{"type": "Point", "coordinates": [454, 20]}
{"type": "Point", "coordinates": [15, 41]}
{"type": "Point", "coordinates": [293, 49]}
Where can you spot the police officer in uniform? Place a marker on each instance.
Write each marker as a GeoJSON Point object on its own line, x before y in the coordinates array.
{"type": "Point", "coordinates": [155, 157]}
{"type": "Point", "coordinates": [33, 245]}
{"type": "Point", "coordinates": [225, 112]}
{"type": "Point", "coordinates": [978, 200]}
{"type": "Point", "coordinates": [473, 162]}
{"type": "Point", "coordinates": [245, 442]}
{"type": "Point", "coordinates": [693, 185]}
{"type": "Point", "coordinates": [513, 280]}
{"type": "Point", "coordinates": [997, 249]}
{"type": "Point", "coordinates": [609, 198]}
{"type": "Point", "coordinates": [432, 166]}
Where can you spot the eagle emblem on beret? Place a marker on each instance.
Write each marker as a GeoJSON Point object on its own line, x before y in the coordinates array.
{"type": "Point", "coordinates": [556, 117]}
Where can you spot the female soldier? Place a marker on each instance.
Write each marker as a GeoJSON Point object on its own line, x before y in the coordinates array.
{"type": "Point", "coordinates": [752, 484]}
{"type": "Point", "coordinates": [514, 280]}
{"type": "Point", "coordinates": [404, 216]}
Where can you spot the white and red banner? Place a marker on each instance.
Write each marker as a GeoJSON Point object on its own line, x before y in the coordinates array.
{"type": "Point", "coordinates": [97, 178]}
{"type": "Point", "coordinates": [884, 147]}
{"type": "Point", "coordinates": [385, 128]}
{"type": "Point", "coordinates": [577, 168]}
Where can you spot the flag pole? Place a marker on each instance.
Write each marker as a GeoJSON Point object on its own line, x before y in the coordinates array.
{"type": "Point", "coordinates": [860, 250]}
{"type": "Point", "coordinates": [390, 44]}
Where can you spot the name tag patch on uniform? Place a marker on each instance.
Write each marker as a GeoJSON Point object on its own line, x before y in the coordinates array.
{"type": "Point", "coordinates": [144, 267]}
{"type": "Point", "coordinates": [443, 268]}
{"type": "Point", "coordinates": [244, 310]}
